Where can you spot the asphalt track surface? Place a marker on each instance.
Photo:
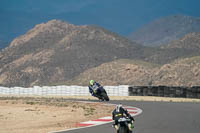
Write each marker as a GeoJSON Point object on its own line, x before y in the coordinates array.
{"type": "Point", "coordinates": [157, 117]}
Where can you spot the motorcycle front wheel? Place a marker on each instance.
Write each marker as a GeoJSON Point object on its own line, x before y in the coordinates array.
{"type": "Point", "coordinates": [123, 130]}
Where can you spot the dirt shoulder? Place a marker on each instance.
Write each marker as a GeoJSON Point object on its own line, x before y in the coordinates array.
{"type": "Point", "coordinates": [135, 98]}
{"type": "Point", "coordinates": [41, 115]}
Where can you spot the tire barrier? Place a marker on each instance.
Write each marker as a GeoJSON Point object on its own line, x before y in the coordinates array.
{"type": "Point", "coordinates": [165, 91]}
{"type": "Point", "coordinates": [121, 90]}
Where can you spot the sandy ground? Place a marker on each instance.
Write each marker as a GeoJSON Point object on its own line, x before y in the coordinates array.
{"type": "Point", "coordinates": [41, 115]}
{"type": "Point", "coordinates": [33, 115]}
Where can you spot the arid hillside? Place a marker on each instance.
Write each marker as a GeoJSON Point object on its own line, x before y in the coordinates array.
{"type": "Point", "coordinates": [187, 46]}
{"type": "Point", "coordinates": [57, 51]}
{"type": "Point", "coordinates": [183, 72]}
{"type": "Point", "coordinates": [189, 41]}
{"type": "Point", "coordinates": [126, 72]}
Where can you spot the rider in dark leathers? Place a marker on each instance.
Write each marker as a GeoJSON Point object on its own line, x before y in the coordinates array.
{"type": "Point", "coordinates": [120, 112]}
{"type": "Point", "coordinates": [93, 86]}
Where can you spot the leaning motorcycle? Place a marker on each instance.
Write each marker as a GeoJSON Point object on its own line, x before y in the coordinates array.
{"type": "Point", "coordinates": [123, 125]}
{"type": "Point", "coordinates": [101, 93]}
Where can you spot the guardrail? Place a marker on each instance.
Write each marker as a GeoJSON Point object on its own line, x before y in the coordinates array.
{"type": "Point", "coordinates": [62, 91]}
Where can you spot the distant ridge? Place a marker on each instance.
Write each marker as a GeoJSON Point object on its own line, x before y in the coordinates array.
{"type": "Point", "coordinates": [164, 30]}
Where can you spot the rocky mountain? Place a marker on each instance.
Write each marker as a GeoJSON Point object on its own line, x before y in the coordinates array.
{"type": "Point", "coordinates": [57, 51]}
{"type": "Point", "coordinates": [178, 65]}
{"type": "Point", "coordinates": [187, 46]}
{"type": "Point", "coordinates": [189, 41]}
{"type": "Point", "coordinates": [166, 55]}
{"type": "Point", "coordinates": [183, 72]}
{"type": "Point", "coordinates": [166, 29]}
{"type": "Point", "coordinates": [119, 72]}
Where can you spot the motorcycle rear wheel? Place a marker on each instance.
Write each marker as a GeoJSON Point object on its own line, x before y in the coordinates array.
{"type": "Point", "coordinates": [105, 96]}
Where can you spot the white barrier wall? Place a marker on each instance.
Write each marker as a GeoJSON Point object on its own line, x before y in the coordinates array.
{"type": "Point", "coordinates": [62, 90]}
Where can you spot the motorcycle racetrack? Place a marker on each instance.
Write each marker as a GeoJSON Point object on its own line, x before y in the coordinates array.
{"type": "Point", "coordinates": [157, 117]}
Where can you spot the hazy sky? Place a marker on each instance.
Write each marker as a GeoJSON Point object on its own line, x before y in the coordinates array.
{"type": "Point", "coordinates": [120, 16]}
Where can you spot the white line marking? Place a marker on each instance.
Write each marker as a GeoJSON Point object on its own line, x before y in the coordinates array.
{"type": "Point", "coordinates": [108, 117]}
{"type": "Point", "coordinates": [92, 122]}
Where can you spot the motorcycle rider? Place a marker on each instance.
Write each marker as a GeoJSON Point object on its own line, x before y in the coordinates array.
{"type": "Point", "coordinates": [93, 86]}
{"type": "Point", "coordinates": [120, 112]}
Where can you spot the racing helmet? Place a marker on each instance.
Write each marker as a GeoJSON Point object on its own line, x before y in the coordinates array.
{"type": "Point", "coordinates": [118, 107]}
{"type": "Point", "coordinates": [92, 82]}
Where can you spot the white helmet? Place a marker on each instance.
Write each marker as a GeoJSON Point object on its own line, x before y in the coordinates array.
{"type": "Point", "coordinates": [118, 107]}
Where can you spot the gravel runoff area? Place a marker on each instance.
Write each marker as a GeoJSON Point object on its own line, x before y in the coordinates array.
{"type": "Point", "coordinates": [42, 115]}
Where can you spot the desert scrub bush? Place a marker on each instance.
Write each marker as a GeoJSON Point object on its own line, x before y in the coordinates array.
{"type": "Point", "coordinates": [89, 111]}
{"type": "Point", "coordinates": [30, 102]}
